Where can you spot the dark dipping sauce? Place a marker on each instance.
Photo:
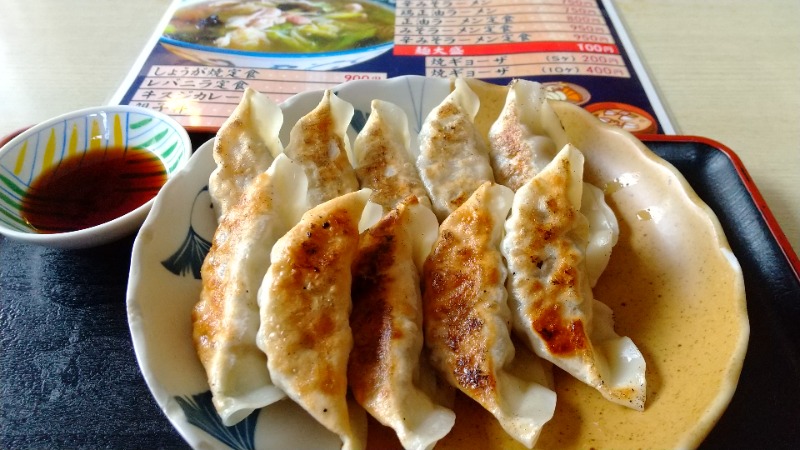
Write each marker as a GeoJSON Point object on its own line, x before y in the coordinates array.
{"type": "Point", "coordinates": [92, 188]}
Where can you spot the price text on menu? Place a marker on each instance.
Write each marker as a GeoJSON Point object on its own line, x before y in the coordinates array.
{"type": "Point", "coordinates": [508, 38]}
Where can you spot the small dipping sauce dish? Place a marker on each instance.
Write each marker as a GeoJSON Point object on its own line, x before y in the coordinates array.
{"type": "Point", "coordinates": [88, 177]}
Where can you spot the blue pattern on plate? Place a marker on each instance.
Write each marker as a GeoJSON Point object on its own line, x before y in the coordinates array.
{"type": "Point", "coordinates": [192, 252]}
{"type": "Point", "coordinates": [419, 115]}
{"type": "Point", "coordinates": [200, 412]}
{"type": "Point", "coordinates": [359, 120]}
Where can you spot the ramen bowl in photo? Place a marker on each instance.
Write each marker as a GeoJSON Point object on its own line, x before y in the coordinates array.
{"type": "Point", "coordinates": [628, 117]}
{"type": "Point", "coordinates": [87, 177]}
{"type": "Point", "coordinates": [323, 35]}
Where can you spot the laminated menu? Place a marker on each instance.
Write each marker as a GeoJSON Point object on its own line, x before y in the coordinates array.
{"type": "Point", "coordinates": [204, 54]}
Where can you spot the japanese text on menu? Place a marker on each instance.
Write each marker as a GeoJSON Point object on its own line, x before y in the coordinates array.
{"type": "Point", "coordinates": [509, 38]}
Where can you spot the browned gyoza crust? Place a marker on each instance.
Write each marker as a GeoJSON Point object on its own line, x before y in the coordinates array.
{"type": "Point", "coordinates": [384, 365]}
{"type": "Point", "coordinates": [467, 321]}
{"type": "Point", "coordinates": [318, 143]}
{"type": "Point", "coordinates": [305, 311]}
{"type": "Point", "coordinates": [550, 288]}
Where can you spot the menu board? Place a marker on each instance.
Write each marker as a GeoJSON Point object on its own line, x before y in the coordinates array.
{"type": "Point", "coordinates": [204, 54]}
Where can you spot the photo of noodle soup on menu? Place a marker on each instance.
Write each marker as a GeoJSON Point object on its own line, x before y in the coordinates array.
{"type": "Point", "coordinates": [281, 34]}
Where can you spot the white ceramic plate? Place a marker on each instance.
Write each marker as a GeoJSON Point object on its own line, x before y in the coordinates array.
{"type": "Point", "coordinates": [673, 283]}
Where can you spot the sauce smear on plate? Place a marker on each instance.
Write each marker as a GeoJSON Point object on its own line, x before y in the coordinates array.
{"type": "Point", "coordinates": [88, 189]}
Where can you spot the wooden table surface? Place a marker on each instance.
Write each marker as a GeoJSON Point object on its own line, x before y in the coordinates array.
{"type": "Point", "coordinates": [726, 70]}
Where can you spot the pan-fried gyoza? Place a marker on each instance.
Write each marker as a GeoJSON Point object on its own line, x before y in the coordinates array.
{"type": "Point", "coordinates": [377, 270]}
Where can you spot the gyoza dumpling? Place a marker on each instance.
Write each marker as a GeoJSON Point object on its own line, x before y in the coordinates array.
{"type": "Point", "coordinates": [305, 309]}
{"type": "Point", "coordinates": [454, 157]}
{"type": "Point", "coordinates": [226, 318]}
{"type": "Point", "coordinates": [519, 147]}
{"type": "Point", "coordinates": [386, 321]}
{"type": "Point", "coordinates": [319, 143]}
{"type": "Point", "coordinates": [383, 160]}
{"type": "Point", "coordinates": [467, 320]}
{"type": "Point", "coordinates": [550, 290]}
{"type": "Point", "coordinates": [603, 231]}
{"type": "Point", "coordinates": [245, 146]}
{"type": "Point", "coordinates": [522, 143]}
